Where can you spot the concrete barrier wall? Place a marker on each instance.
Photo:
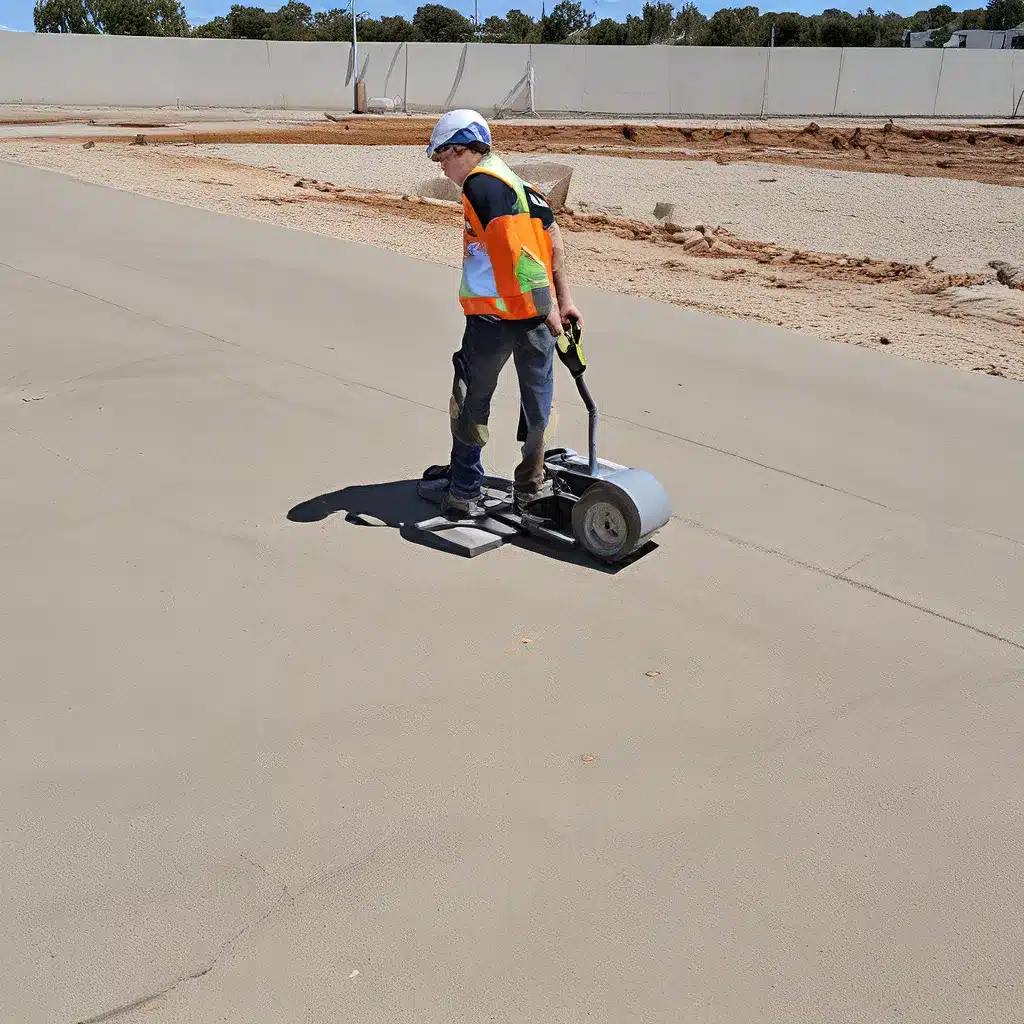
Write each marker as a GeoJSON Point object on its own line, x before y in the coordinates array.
{"type": "Point", "coordinates": [626, 79]}
{"type": "Point", "coordinates": [974, 80]}
{"type": "Point", "coordinates": [383, 67]}
{"type": "Point", "coordinates": [723, 80]}
{"type": "Point", "coordinates": [560, 74]}
{"type": "Point", "coordinates": [488, 74]}
{"type": "Point", "coordinates": [1017, 75]}
{"type": "Point", "coordinates": [427, 77]}
{"type": "Point", "coordinates": [133, 71]}
{"type": "Point", "coordinates": [897, 81]}
{"type": "Point", "coordinates": [802, 81]}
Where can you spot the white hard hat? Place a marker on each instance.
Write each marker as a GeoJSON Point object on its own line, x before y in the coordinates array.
{"type": "Point", "coordinates": [458, 127]}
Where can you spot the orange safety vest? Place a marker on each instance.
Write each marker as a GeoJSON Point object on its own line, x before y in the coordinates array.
{"type": "Point", "coordinates": [507, 267]}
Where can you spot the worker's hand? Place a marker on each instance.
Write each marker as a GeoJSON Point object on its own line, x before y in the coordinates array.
{"type": "Point", "coordinates": [554, 322]}
{"type": "Point", "coordinates": [569, 312]}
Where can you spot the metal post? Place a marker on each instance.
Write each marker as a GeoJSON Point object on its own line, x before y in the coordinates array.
{"type": "Point", "coordinates": [591, 406]}
{"type": "Point", "coordinates": [355, 63]}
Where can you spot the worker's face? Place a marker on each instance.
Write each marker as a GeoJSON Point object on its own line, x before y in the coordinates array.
{"type": "Point", "coordinates": [457, 162]}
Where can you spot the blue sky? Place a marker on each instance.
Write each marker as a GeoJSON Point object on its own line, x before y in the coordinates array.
{"type": "Point", "coordinates": [17, 14]}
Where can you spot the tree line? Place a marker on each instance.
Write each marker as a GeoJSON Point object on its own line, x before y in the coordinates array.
{"type": "Point", "coordinates": [568, 22]}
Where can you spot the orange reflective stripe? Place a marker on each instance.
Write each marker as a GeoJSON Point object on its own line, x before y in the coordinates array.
{"type": "Point", "coordinates": [474, 220]}
{"type": "Point", "coordinates": [518, 307]}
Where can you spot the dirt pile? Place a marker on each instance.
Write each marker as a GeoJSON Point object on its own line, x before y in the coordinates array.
{"type": "Point", "coordinates": [979, 154]}
{"type": "Point", "coordinates": [702, 240]}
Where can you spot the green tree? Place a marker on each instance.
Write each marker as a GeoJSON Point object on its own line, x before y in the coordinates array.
{"type": "Point", "coordinates": [658, 20]}
{"type": "Point", "coordinates": [494, 30]}
{"type": "Point", "coordinates": [72, 16]}
{"type": "Point", "coordinates": [566, 17]}
{"type": "Point", "coordinates": [607, 32]}
{"type": "Point", "coordinates": [396, 29]}
{"type": "Point", "coordinates": [891, 29]}
{"type": "Point", "coordinates": [836, 28]}
{"type": "Point", "coordinates": [940, 17]}
{"type": "Point", "coordinates": [973, 19]}
{"type": "Point", "coordinates": [690, 25]}
{"type": "Point", "coordinates": [635, 31]}
{"type": "Point", "coordinates": [333, 26]}
{"type": "Point", "coordinates": [247, 22]}
{"type": "Point", "coordinates": [438, 24]}
{"type": "Point", "coordinates": [1004, 14]}
{"type": "Point", "coordinates": [144, 18]}
{"type": "Point", "coordinates": [789, 29]}
{"type": "Point", "coordinates": [521, 27]}
{"type": "Point", "coordinates": [293, 22]}
{"type": "Point", "coordinates": [732, 26]}
{"type": "Point", "coordinates": [113, 17]}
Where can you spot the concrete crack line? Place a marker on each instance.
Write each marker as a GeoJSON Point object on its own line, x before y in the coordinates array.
{"type": "Point", "coordinates": [267, 874]}
{"type": "Point", "coordinates": [841, 577]}
{"type": "Point", "coordinates": [286, 900]}
{"type": "Point", "coordinates": [929, 611]}
{"type": "Point", "coordinates": [223, 341]}
{"type": "Point", "coordinates": [112, 303]}
{"type": "Point", "coordinates": [53, 452]}
{"type": "Point", "coordinates": [746, 458]}
{"type": "Point", "coordinates": [799, 476]}
{"type": "Point", "coordinates": [145, 1000]}
{"type": "Point", "coordinates": [860, 561]}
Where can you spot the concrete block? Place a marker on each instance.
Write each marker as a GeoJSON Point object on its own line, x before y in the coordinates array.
{"type": "Point", "coordinates": [802, 81]}
{"type": "Point", "coordinates": [717, 80]}
{"type": "Point", "coordinates": [440, 533]}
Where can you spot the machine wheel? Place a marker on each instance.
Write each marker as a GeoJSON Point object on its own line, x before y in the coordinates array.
{"type": "Point", "coordinates": [606, 523]}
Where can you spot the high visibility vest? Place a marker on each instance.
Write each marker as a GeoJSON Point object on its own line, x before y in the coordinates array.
{"type": "Point", "coordinates": [507, 267]}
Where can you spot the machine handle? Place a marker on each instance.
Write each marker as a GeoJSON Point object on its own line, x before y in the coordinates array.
{"type": "Point", "coordinates": [570, 349]}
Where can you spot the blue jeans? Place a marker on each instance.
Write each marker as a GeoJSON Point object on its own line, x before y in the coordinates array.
{"type": "Point", "coordinates": [486, 347]}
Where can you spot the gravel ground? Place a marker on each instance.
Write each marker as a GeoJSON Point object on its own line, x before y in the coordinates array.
{"type": "Point", "coordinates": [962, 224]}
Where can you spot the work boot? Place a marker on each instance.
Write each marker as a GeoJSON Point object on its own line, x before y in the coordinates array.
{"type": "Point", "coordinates": [521, 500]}
{"type": "Point", "coordinates": [462, 508]}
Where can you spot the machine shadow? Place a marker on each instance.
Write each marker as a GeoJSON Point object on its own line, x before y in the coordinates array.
{"type": "Point", "coordinates": [396, 505]}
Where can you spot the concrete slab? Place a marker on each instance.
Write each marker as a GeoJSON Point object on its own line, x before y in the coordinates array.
{"type": "Point", "coordinates": [464, 540]}
{"type": "Point", "coordinates": [259, 755]}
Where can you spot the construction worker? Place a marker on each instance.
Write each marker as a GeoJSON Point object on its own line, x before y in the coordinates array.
{"type": "Point", "coordinates": [516, 298]}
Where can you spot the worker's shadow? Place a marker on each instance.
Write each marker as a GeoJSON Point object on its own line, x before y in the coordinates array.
{"type": "Point", "coordinates": [396, 504]}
